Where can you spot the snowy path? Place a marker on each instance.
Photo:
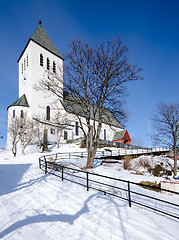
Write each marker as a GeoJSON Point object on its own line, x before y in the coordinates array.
{"type": "Point", "coordinates": [37, 206]}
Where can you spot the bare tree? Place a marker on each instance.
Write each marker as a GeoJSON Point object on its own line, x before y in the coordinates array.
{"type": "Point", "coordinates": [96, 80]}
{"type": "Point", "coordinates": [38, 131]}
{"type": "Point", "coordinates": [61, 122]}
{"type": "Point", "coordinates": [25, 131]}
{"type": "Point", "coordinates": [13, 131]}
{"type": "Point", "coordinates": [166, 125]}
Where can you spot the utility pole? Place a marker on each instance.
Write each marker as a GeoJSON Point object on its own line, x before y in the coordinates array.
{"type": "Point", "coordinates": [149, 132]}
{"type": "Point", "coordinates": [1, 142]}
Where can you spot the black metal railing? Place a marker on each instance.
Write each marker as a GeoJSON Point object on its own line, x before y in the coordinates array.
{"type": "Point", "coordinates": [126, 190]}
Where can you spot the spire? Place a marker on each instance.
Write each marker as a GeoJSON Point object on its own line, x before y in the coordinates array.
{"type": "Point", "coordinates": [40, 22]}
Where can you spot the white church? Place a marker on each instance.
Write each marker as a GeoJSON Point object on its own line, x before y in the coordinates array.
{"type": "Point", "coordinates": [39, 56]}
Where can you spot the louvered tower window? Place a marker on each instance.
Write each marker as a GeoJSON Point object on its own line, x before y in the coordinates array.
{"type": "Point", "coordinates": [48, 64]}
{"type": "Point", "coordinates": [54, 67]}
{"type": "Point", "coordinates": [24, 66]}
{"type": "Point", "coordinates": [27, 60]}
{"type": "Point", "coordinates": [41, 60]}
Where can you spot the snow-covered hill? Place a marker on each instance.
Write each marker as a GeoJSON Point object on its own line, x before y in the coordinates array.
{"type": "Point", "coordinates": [36, 206]}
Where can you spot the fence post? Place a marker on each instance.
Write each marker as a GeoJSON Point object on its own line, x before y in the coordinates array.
{"type": "Point", "coordinates": [39, 163]}
{"type": "Point", "coordinates": [62, 172]}
{"type": "Point", "coordinates": [56, 156]}
{"type": "Point", "coordinates": [129, 194]}
{"type": "Point", "coordinates": [69, 155]}
{"type": "Point", "coordinates": [45, 166]}
{"type": "Point", "coordinates": [87, 181]}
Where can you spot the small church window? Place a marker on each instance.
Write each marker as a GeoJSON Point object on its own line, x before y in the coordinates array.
{"type": "Point", "coordinates": [27, 60]}
{"type": "Point", "coordinates": [54, 67]}
{"type": "Point", "coordinates": [76, 129]}
{"type": "Point", "coordinates": [14, 113]}
{"type": "Point", "coordinates": [48, 113]}
{"type": "Point", "coordinates": [52, 131]}
{"type": "Point", "coordinates": [48, 64]}
{"type": "Point", "coordinates": [22, 114]}
{"type": "Point", "coordinates": [22, 68]}
{"type": "Point", "coordinates": [41, 60]}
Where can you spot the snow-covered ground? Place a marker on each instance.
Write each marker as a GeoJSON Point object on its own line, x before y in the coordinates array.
{"type": "Point", "coordinates": [38, 206]}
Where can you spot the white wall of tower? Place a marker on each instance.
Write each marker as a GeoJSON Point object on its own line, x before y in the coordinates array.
{"type": "Point", "coordinates": [32, 73]}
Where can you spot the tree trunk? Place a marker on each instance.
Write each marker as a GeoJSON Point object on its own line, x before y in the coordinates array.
{"type": "Point", "coordinates": [14, 149]}
{"type": "Point", "coordinates": [58, 138]}
{"type": "Point", "coordinates": [92, 146]}
{"type": "Point", "coordinates": [23, 150]}
{"type": "Point", "coordinates": [175, 160]}
{"type": "Point", "coordinates": [89, 143]}
{"type": "Point", "coordinates": [45, 148]}
{"type": "Point", "coordinates": [39, 140]}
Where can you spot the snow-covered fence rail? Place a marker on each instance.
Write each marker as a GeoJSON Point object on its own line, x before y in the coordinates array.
{"type": "Point", "coordinates": [126, 190]}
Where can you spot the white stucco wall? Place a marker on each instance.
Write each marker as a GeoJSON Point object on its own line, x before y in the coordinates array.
{"type": "Point", "coordinates": [110, 130]}
{"type": "Point", "coordinates": [17, 110]}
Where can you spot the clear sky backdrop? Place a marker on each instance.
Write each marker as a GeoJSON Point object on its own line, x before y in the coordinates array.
{"type": "Point", "coordinates": [150, 28]}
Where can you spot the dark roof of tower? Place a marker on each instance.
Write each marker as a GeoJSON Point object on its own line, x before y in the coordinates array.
{"type": "Point", "coordinates": [22, 101]}
{"type": "Point", "coordinates": [41, 38]}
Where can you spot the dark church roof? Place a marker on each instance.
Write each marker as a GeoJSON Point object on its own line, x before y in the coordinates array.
{"type": "Point", "coordinates": [75, 107]}
{"type": "Point", "coordinates": [41, 38]}
{"type": "Point", "coordinates": [22, 101]}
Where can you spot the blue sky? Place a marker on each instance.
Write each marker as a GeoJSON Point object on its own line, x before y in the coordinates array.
{"type": "Point", "coordinates": [149, 28]}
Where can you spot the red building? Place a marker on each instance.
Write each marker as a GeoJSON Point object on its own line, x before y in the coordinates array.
{"type": "Point", "coordinates": [122, 137]}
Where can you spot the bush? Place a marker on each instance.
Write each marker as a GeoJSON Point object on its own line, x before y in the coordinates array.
{"type": "Point", "coordinates": [127, 164]}
{"type": "Point", "coordinates": [151, 184]}
{"type": "Point", "coordinates": [158, 170]}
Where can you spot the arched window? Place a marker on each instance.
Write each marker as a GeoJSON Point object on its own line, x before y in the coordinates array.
{"type": "Point", "coordinates": [14, 114]}
{"type": "Point", "coordinates": [22, 114]}
{"type": "Point", "coordinates": [48, 64]}
{"type": "Point", "coordinates": [41, 60]}
{"type": "Point", "coordinates": [105, 134]}
{"type": "Point", "coordinates": [76, 129]}
{"type": "Point", "coordinates": [54, 67]}
{"type": "Point", "coordinates": [48, 113]}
